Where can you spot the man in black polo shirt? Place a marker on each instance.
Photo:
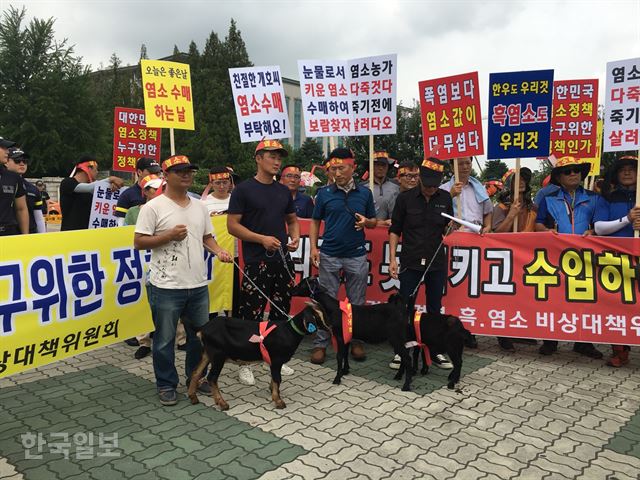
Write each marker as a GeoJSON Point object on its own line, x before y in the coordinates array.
{"type": "Point", "coordinates": [17, 163]}
{"type": "Point", "coordinates": [14, 216]}
{"type": "Point", "coordinates": [132, 196]}
{"type": "Point", "coordinates": [417, 219]}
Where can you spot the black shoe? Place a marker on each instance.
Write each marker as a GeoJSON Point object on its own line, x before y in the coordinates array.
{"type": "Point", "coordinates": [142, 352]}
{"type": "Point", "coordinates": [182, 347]}
{"type": "Point", "coordinates": [526, 341]}
{"type": "Point", "coordinates": [548, 349]}
{"type": "Point", "coordinates": [471, 342]}
{"type": "Point", "coordinates": [506, 344]}
{"type": "Point", "coordinates": [132, 342]}
{"type": "Point", "coordinates": [588, 350]}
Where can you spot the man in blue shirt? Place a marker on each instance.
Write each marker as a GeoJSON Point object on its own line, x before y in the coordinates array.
{"type": "Point", "coordinates": [346, 209]}
{"type": "Point", "coordinates": [569, 211]}
{"type": "Point", "coordinates": [290, 178]}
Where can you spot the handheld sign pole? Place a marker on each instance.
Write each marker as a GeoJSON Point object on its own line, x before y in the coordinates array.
{"type": "Point", "coordinates": [371, 163]}
{"type": "Point", "coordinates": [516, 192]}
{"type": "Point", "coordinates": [456, 179]}
{"type": "Point", "coordinates": [173, 142]}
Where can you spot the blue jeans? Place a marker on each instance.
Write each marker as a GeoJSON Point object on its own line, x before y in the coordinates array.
{"type": "Point", "coordinates": [355, 270]}
{"type": "Point", "coordinates": [167, 307]}
{"type": "Point", "coordinates": [433, 285]}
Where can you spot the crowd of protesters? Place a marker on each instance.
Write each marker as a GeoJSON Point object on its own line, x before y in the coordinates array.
{"type": "Point", "coordinates": [263, 211]}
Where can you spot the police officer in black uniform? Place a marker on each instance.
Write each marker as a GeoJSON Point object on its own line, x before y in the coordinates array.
{"type": "Point", "coordinates": [14, 217]}
{"type": "Point", "coordinates": [132, 196]}
{"type": "Point", "coordinates": [17, 163]}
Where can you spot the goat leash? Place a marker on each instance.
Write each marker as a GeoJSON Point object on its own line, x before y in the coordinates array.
{"type": "Point", "coordinates": [415, 290]}
{"type": "Point", "coordinates": [261, 292]}
{"type": "Point", "coordinates": [416, 325]}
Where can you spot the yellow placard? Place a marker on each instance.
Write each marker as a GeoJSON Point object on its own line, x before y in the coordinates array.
{"type": "Point", "coordinates": [66, 293]}
{"type": "Point", "coordinates": [595, 162]}
{"type": "Point", "coordinates": [168, 99]}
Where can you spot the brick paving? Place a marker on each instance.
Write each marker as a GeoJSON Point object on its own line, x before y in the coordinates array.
{"type": "Point", "coordinates": [515, 416]}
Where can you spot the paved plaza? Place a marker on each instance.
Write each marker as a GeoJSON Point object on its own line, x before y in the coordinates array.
{"type": "Point", "coordinates": [515, 416]}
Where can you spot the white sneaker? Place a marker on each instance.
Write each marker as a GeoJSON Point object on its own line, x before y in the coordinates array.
{"type": "Point", "coordinates": [246, 375]}
{"type": "Point", "coordinates": [395, 363]}
{"type": "Point", "coordinates": [286, 370]}
{"type": "Point", "coordinates": [443, 362]}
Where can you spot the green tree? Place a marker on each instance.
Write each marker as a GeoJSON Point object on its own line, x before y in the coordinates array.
{"type": "Point", "coordinates": [47, 106]}
{"type": "Point", "coordinates": [493, 170]}
{"type": "Point", "coordinates": [309, 153]}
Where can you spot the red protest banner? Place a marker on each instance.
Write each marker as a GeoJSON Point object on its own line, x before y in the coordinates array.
{"type": "Point", "coordinates": [545, 285]}
{"type": "Point", "coordinates": [574, 118]}
{"type": "Point", "coordinates": [451, 118]}
{"type": "Point", "coordinates": [132, 139]}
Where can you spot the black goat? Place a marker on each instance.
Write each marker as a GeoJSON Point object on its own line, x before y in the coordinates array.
{"type": "Point", "coordinates": [441, 334]}
{"type": "Point", "coordinates": [229, 338]}
{"type": "Point", "coordinates": [371, 323]}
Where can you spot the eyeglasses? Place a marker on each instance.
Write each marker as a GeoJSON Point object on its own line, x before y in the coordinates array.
{"type": "Point", "coordinates": [410, 176]}
{"type": "Point", "coordinates": [571, 170]}
{"type": "Point", "coordinates": [292, 176]}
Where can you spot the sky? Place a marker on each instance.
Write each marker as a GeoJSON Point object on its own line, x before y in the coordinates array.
{"type": "Point", "coordinates": [432, 38]}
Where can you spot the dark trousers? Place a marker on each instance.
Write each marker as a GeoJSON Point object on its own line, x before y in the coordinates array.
{"type": "Point", "coordinates": [274, 280]}
{"type": "Point", "coordinates": [433, 285]}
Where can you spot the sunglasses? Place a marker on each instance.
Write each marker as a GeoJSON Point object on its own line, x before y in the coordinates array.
{"type": "Point", "coordinates": [19, 160]}
{"type": "Point", "coordinates": [570, 171]}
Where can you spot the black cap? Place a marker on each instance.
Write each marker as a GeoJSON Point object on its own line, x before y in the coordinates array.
{"type": "Point", "coordinates": [4, 143]}
{"type": "Point", "coordinates": [148, 164]}
{"type": "Point", "coordinates": [85, 157]}
{"type": "Point", "coordinates": [431, 172]}
{"type": "Point", "coordinates": [16, 153]}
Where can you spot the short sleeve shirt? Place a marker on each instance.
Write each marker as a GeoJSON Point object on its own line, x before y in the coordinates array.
{"type": "Point", "coordinates": [131, 197]}
{"type": "Point", "coordinates": [176, 264]}
{"type": "Point", "coordinates": [76, 207]}
{"type": "Point", "coordinates": [264, 208]}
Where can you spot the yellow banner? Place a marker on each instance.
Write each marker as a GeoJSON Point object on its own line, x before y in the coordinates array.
{"type": "Point", "coordinates": [168, 99]}
{"type": "Point", "coordinates": [595, 162]}
{"type": "Point", "coordinates": [66, 293]}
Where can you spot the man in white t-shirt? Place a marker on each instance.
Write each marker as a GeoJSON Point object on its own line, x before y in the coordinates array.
{"type": "Point", "coordinates": [217, 201]}
{"type": "Point", "coordinates": [177, 229]}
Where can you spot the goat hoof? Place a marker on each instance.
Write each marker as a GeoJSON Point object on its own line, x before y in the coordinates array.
{"type": "Point", "coordinates": [280, 404]}
{"type": "Point", "coordinates": [336, 381]}
{"type": "Point", "coordinates": [224, 406]}
{"type": "Point", "coordinates": [451, 385]}
{"type": "Point", "coordinates": [194, 399]}
{"type": "Point", "coordinates": [406, 388]}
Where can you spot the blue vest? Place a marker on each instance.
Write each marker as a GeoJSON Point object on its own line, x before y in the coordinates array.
{"type": "Point", "coordinates": [583, 211]}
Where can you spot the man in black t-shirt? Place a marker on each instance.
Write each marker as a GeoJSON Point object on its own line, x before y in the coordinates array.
{"type": "Point", "coordinates": [18, 164]}
{"type": "Point", "coordinates": [14, 216]}
{"type": "Point", "coordinates": [260, 210]}
{"type": "Point", "coordinates": [76, 193]}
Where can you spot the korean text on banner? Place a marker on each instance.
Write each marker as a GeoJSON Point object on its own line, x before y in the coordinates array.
{"type": "Point", "coordinates": [545, 285]}
{"type": "Point", "coordinates": [622, 106]}
{"type": "Point", "coordinates": [519, 114]}
{"type": "Point", "coordinates": [595, 161]}
{"type": "Point", "coordinates": [103, 205]}
{"type": "Point", "coordinates": [450, 113]}
{"type": "Point", "coordinates": [168, 99]}
{"type": "Point", "coordinates": [132, 139]}
{"type": "Point", "coordinates": [353, 97]}
{"type": "Point", "coordinates": [261, 108]}
{"type": "Point", "coordinates": [574, 118]}
{"type": "Point", "coordinates": [84, 290]}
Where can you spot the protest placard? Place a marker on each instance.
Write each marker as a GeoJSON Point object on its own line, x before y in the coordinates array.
{"type": "Point", "coordinates": [132, 139]}
{"type": "Point", "coordinates": [622, 106]}
{"type": "Point", "coordinates": [519, 114]}
{"type": "Point", "coordinates": [574, 118]}
{"type": "Point", "coordinates": [450, 113]}
{"type": "Point", "coordinates": [261, 109]}
{"type": "Point", "coordinates": [103, 205]}
{"type": "Point", "coordinates": [352, 97]}
{"type": "Point", "coordinates": [168, 99]}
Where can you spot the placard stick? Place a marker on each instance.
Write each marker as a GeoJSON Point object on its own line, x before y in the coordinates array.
{"type": "Point", "coordinates": [173, 142]}
{"type": "Point", "coordinates": [456, 179]}
{"type": "Point", "coordinates": [371, 162]}
{"type": "Point", "coordinates": [636, 233]}
{"type": "Point", "coordinates": [516, 192]}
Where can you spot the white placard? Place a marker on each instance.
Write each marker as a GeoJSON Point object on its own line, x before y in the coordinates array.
{"type": "Point", "coordinates": [261, 107]}
{"type": "Point", "coordinates": [622, 106]}
{"type": "Point", "coordinates": [103, 205]}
